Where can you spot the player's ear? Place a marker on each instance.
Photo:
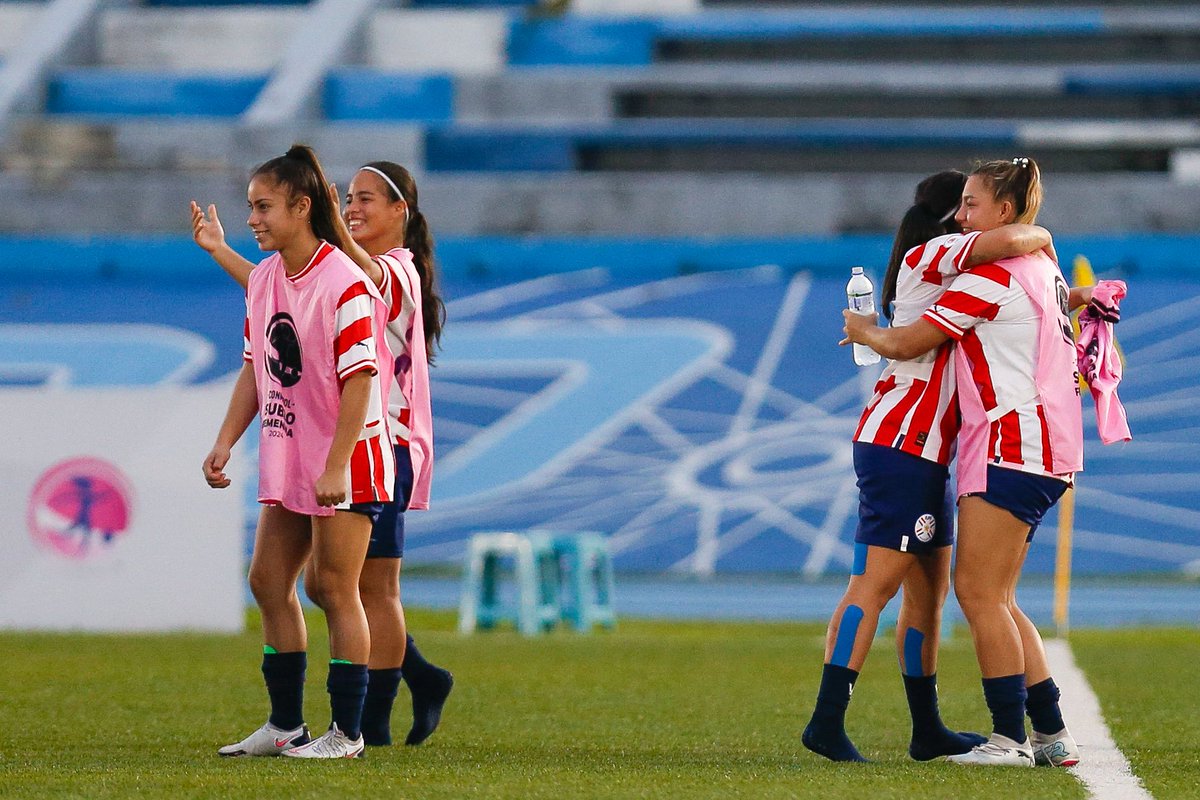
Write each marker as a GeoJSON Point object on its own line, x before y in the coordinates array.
{"type": "Point", "coordinates": [303, 206]}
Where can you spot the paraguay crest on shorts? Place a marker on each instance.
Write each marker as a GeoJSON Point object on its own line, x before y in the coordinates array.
{"type": "Point", "coordinates": [925, 527]}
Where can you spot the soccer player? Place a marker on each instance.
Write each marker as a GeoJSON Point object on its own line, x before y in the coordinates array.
{"type": "Point", "coordinates": [313, 373]}
{"type": "Point", "coordinates": [388, 237]}
{"type": "Point", "coordinates": [1021, 442]}
{"type": "Point", "coordinates": [902, 447]}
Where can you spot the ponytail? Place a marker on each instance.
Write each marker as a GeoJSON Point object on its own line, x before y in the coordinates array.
{"type": "Point", "coordinates": [300, 172]}
{"type": "Point", "coordinates": [419, 241]}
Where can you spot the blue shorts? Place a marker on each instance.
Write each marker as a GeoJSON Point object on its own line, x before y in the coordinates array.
{"type": "Point", "coordinates": [904, 502]}
{"type": "Point", "coordinates": [1024, 495]}
{"type": "Point", "coordinates": [371, 510]}
{"type": "Point", "coordinates": [387, 535]}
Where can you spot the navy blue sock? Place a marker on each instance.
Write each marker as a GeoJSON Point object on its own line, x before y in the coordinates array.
{"type": "Point", "coordinates": [382, 685]}
{"type": "Point", "coordinates": [1006, 700]}
{"type": "Point", "coordinates": [414, 666]}
{"type": "Point", "coordinates": [430, 685]}
{"type": "Point", "coordinates": [930, 736]}
{"type": "Point", "coordinates": [284, 674]}
{"type": "Point", "coordinates": [825, 733]}
{"type": "Point", "coordinates": [921, 691]}
{"type": "Point", "coordinates": [347, 687]}
{"type": "Point", "coordinates": [1042, 707]}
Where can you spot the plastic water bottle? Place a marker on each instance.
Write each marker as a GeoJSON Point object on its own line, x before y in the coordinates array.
{"type": "Point", "coordinates": [860, 297]}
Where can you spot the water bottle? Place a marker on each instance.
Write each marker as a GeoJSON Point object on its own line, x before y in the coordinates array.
{"type": "Point", "coordinates": [860, 297]}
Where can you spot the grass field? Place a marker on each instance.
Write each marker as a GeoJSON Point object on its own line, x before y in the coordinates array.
{"type": "Point", "coordinates": [655, 709]}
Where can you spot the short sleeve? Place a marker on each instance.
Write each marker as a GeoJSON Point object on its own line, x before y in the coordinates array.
{"type": "Point", "coordinates": [246, 354]}
{"type": "Point", "coordinates": [972, 297]}
{"type": "Point", "coordinates": [945, 256]}
{"type": "Point", "coordinates": [354, 348]}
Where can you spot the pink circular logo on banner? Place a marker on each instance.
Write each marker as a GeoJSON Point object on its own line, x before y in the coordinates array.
{"type": "Point", "coordinates": [80, 507]}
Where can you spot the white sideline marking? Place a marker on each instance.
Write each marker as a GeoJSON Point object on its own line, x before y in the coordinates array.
{"type": "Point", "coordinates": [1103, 770]}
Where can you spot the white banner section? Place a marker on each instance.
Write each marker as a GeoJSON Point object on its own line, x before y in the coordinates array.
{"type": "Point", "coordinates": [106, 523]}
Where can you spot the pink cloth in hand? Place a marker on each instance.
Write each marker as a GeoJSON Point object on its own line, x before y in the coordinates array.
{"type": "Point", "coordinates": [1099, 361]}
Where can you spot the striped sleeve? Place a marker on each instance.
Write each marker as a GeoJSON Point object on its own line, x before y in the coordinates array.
{"type": "Point", "coordinates": [944, 256]}
{"type": "Point", "coordinates": [246, 355]}
{"type": "Point", "coordinates": [973, 297]}
{"type": "Point", "coordinates": [354, 346]}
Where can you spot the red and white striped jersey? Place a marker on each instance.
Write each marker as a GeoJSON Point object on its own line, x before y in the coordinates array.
{"type": "Point", "coordinates": [409, 407]}
{"type": "Point", "coordinates": [914, 407]}
{"type": "Point", "coordinates": [398, 296]}
{"type": "Point", "coordinates": [1002, 355]}
{"type": "Point", "coordinates": [305, 335]}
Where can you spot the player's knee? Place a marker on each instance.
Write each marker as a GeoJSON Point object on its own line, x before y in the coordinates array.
{"type": "Point", "coordinates": [376, 595]}
{"type": "Point", "coordinates": [312, 588]}
{"type": "Point", "coordinates": [330, 589]}
{"type": "Point", "coordinates": [871, 595]}
{"type": "Point", "coordinates": [975, 595]}
{"type": "Point", "coordinates": [265, 587]}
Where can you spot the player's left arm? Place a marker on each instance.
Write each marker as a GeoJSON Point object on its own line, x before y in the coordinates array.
{"type": "Point", "coordinates": [332, 487]}
{"type": "Point", "coordinates": [903, 342]}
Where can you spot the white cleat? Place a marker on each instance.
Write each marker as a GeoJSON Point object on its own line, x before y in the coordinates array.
{"type": "Point", "coordinates": [998, 751]}
{"type": "Point", "coordinates": [267, 741]}
{"type": "Point", "coordinates": [1054, 749]}
{"type": "Point", "coordinates": [331, 744]}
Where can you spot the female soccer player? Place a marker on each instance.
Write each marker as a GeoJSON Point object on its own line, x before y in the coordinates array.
{"type": "Point", "coordinates": [388, 237]}
{"type": "Point", "coordinates": [1020, 444]}
{"type": "Point", "coordinates": [901, 450]}
{"type": "Point", "coordinates": [313, 375]}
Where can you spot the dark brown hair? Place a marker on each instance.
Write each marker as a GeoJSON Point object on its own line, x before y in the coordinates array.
{"type": "Point", "coordinates": [419, 241]}
{"type": "Point", "coordinates": [931, 215]}
{"type": "Point", "coordinates": [300, 173]}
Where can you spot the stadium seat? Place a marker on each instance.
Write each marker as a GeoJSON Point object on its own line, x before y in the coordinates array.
{"type": "Point", "coordinates": [113, 92]}
{"type": "Point", "coordinates": [532, 604]}
{"type": "Point", "coordinates": [355, 94]}
{"type": "Point", "coordinates": [589, 579]}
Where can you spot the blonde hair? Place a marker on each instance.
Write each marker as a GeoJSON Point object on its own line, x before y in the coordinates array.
{"type": "Point", "coordinates": [1019, 181]}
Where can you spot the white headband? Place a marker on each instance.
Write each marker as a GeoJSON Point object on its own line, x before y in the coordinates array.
{"type": "Point", "coordinates": [949, 215]}
{"type": "Point", "coordinates": [393, 186]}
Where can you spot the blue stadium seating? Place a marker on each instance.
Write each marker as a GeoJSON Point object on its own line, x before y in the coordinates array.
{"type": "Point", "coordinates": [357, 94]}
{"type": "Point", "coordinates": [115, 92]}
{"type": "Point", "coordinates": [573, 40]}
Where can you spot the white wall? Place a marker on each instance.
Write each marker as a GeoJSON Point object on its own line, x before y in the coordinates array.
{"type": "Point", "coordinates": [218, 39]}
{"type": "Point", "coordinates": [445, 40]}
{"type": "Point", "coordinates": [14, 19]}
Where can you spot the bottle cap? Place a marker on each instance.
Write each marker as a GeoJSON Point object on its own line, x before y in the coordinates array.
{"type": "Point", "coordinates": [856, 270]}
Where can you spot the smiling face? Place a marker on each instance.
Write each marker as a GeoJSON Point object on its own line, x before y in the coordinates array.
{"type": "Point", "coordinates": [980, 210]}
{"type": "Point", "coordinates": [375, 220]}
{"type": "Point", "coordinates": [274, 223]}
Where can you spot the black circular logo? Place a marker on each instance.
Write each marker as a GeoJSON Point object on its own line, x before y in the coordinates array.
{"type": "Point", "coordinates": [283, 353]}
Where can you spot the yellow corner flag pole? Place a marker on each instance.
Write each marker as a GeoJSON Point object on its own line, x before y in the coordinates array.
{"type": "Point", "coordinates": [1082, 275]}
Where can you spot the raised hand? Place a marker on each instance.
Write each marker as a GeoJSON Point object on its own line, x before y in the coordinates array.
{"type": "Point", "coordinates": [207, 230]}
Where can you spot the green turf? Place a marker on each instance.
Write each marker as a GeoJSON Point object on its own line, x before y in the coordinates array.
{"type": "Point", "coordinates": [1149, 691]}
{"type": "Point", "coordinates": [655, 709]}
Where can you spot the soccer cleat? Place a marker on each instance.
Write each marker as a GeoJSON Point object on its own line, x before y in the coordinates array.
{"type": "Point", "coordinates": [998, 751]}
{"type": "Point", "coordinates": [428, 697]}
{"type": "Point", "coordinates": [331, 744]}
{"type": "Point", "coordinates": [1054, 749]}
{"type": "Point", "coordinates": [267, 741]}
